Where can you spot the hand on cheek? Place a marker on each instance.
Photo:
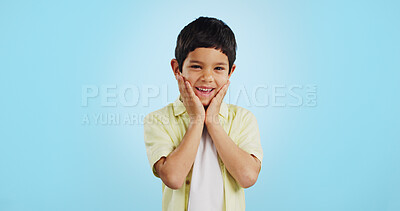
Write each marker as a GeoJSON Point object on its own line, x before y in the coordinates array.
{"type": "Point", "coordinates": [192, 103]}
{"type": "Point", "coordinates": [212, 112]}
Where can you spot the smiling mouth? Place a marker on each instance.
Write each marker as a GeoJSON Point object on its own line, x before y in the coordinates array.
{"type": "Point", "coordinates": [205, 90]}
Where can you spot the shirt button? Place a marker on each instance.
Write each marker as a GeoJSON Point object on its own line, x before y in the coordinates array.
{"type": "Point", "coordinates": [187, 182]}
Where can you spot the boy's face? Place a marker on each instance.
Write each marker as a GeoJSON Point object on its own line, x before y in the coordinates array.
{"type": "Point", "coordinates": [207, 71]}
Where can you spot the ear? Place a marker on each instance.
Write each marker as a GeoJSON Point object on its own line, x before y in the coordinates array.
{"type": "Point", "coordinates": [232, 69]}
{"type": "Point", "coordinates": [175, 66]}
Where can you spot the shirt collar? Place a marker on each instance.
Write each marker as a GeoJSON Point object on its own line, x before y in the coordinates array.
{"type": "Point", "coordinates": [179, 108]}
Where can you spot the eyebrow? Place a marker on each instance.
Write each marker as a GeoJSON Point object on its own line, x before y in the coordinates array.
{"type": "Point", "coordinates": [195, 61]}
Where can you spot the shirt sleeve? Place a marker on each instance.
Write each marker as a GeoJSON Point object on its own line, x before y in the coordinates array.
{"type": "Point", "coordinates": [157, 140]}
{"type": "Point", "coordinates": [249, 136]}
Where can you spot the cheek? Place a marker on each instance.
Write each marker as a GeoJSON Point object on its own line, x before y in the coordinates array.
{"type": "Point", "coordinates": [222, 81]}
{"type": "Point", "coordinates": [191, 79]}
{"type": "Point", "coordinates": [185, 74]}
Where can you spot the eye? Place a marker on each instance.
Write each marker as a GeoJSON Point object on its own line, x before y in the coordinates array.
{"type": "Point", "coordinates": [220, 68]}
{"type": "Point", "coordinates": [195, 67]}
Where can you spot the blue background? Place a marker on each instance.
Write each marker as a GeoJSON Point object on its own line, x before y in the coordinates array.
{"type": "Point", "coordinates": [341, 154]}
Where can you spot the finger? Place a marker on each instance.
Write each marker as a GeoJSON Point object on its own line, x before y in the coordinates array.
{"type": "Point", "coordinates": [180, 85]}
{"type": "Point", "coordinates": [190, 92]}
{"type": "Point", "coordinates": [222, 92]}
{"type": "Point", "coordinates": [219, 90]}
{"type": "Point", "coordinates": [182, 89]}
{"type": "Point", "coordinates": [223, 89]}
{"type": "Point", "coordinates": [187, 87]}
{"type": "Point", "coordinates": [190, 89]}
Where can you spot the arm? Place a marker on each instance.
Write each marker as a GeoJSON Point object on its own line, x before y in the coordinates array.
{"type": "Point", "coordinates": [240, 164]}
{"type": "Point", "coordinates": [174, 168]}
{"type": "Point", "coordinates": [243, 166]}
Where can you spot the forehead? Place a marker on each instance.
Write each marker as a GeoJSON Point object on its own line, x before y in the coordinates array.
{"type": "Point", "coordinates": [207, 55]}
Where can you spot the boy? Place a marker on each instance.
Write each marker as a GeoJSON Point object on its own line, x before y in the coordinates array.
{"type": "Point", "coordinates": [204, 150]}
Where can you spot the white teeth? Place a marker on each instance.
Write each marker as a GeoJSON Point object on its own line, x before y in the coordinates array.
{"type": "Point", "coordinates": [204, 90]}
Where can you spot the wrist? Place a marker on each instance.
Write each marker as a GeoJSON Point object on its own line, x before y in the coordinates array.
{"type": "Point", "coordinates": [198, 120]}
{"type": "Point", "coordinates": [212, 120]}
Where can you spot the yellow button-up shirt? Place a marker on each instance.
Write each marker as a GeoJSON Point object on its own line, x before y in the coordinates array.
{"type": "Point", "coordinates": [163, 131]}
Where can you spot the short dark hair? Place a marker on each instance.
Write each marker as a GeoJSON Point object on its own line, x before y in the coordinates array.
{"type": "Point", "coordinates": [206, 32]}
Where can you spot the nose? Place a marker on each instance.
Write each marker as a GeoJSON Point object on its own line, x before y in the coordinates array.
{"type": "Point", "coordinates": [207, 76]}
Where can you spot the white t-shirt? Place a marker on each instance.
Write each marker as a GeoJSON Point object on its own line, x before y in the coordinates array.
{"type": "Point", "coordinates": [207, 188]}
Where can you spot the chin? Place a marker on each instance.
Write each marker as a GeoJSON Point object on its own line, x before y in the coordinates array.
{"type": "Point", "coordinates": [205, 102]}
